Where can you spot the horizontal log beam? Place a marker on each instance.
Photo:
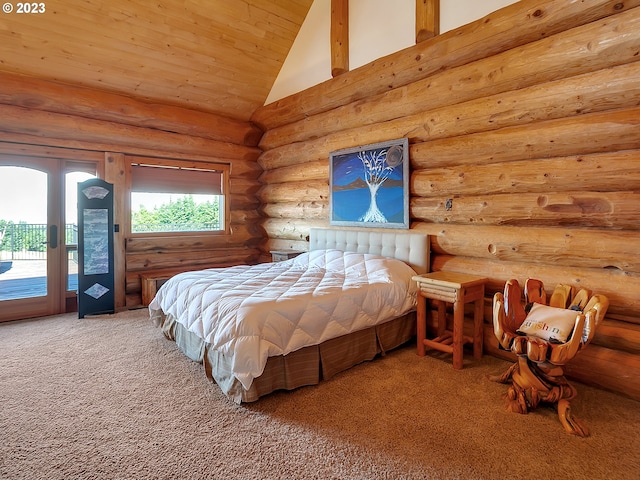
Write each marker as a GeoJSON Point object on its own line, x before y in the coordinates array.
{"type": "Point", "coordinates": [617, 210]}
{"type": "Point", "coordinates": [517, 24]}
{"type": "Point", "coordinates": [243, 202]}
{"type": "Point", "coordinates": [142, 262]}
{"type": "Point", "coordinates": [598, 91]}
{"type": "Point", "coordinates": [318, 170]}
{"type": "Point", "coordinates": [582, 135]}
{"type": "Point", "coordinates": [585, 248]}
{"type": "Point", "coordinates": [249, 169]}
{"type": "Point", "coordinates": [598, 172]}
{"type": "Point", "coordinates": [92, 147]}
{"type": "Point", "coordinates": [242, 235]}
{"type": "Point", "coordinates": [560, 85]}
{"type": "Point", "coordinates": [284, 229]}
{"type": "Point", "coordinates": [313, 190]}
{"type": "Point", "coordinates": [607, 131]}
{"type": "Point", "coordinates": [48, 96]}
{"type": "Point", "coordinates": [46, 125]}
{"type": "Point", "coordinates": [247, 217]}
{"type": "Point", "coordinates": [301, 211]}
{"type": "Point", "coordinates": [612, 370]}
{"type": "Point", "coordinates": [243, 186]}
{"type": "Point", "coordinates": [11, 149]}
{"type": "Point", "coordinates": [618, 336]}
{"type": "Point", "coordinates": [285, 244]}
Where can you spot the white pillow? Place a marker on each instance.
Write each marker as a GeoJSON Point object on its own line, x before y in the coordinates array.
{"type": "Point", "coordinates": [549, 323]}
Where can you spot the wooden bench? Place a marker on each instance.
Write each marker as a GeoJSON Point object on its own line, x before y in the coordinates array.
{"type": "Point", "coordinates": [152, 280]}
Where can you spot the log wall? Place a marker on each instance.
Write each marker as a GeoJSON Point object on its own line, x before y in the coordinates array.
{"type": "Point", "coordinates": [525, 157]}
{"type": "Point", "coordinates": [70, 120]}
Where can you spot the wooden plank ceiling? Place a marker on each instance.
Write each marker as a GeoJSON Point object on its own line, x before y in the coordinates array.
{"type": "Point", "coordinates": [219, 56]}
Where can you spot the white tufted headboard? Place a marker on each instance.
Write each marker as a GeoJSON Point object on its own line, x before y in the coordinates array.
{"type": "Point", "coordinates": [411, 248]}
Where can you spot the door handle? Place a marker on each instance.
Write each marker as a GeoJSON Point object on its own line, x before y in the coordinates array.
{"type": "Point", "coordinates": [53, 236]}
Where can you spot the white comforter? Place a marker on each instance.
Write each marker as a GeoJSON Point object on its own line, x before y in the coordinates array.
{"type": "Point", "coordinates": [249, 313]}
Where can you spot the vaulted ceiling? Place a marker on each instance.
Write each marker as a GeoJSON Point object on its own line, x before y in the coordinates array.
{"type": "Point", "coordinates": [219, 56]}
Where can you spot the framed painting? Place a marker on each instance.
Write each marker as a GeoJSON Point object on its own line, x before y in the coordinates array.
{"type": "Point", "coordinates": [369, 185]}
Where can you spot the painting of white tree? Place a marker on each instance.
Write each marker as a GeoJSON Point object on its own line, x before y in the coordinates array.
{"type": "Point", "coordinates": [369, 185]}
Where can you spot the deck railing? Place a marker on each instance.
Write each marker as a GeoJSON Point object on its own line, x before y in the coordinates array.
{"type": "Point", "coordinates": [175, 227]}
{"type": "Point", "coordinates": [27, 241]}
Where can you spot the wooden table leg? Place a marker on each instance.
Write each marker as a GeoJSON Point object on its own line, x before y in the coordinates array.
{"type": "Point", "coordinates": [442, 317]}
{"type": "Point", "coordinates": [421, 325]}
{"type": "Point", "coordinates": [458, 327]}
{"type": "Point", "coordinates": [478, 321]}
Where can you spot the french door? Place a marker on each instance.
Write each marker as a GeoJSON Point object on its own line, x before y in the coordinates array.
{"type": "Point", "coordinates": [38, 234]}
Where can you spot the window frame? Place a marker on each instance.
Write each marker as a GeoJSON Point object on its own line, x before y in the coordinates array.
{"type": "Point", "coordinates": [225, 209]}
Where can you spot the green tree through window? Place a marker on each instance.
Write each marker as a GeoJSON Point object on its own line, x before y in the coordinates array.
{"type": "Point", "coordinates": [180, 215]}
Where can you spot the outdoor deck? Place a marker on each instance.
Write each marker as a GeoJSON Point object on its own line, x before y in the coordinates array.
{"type": "Point", "coordinates": [23, 270]}
{"type": "Point", "coordinates": [27, 279]}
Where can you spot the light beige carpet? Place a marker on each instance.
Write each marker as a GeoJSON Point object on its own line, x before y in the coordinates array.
{"type": "Point", "coordinates": [110, 398]}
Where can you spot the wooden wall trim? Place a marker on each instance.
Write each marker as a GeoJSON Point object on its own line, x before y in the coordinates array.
{"type": "Point", "coordinates": [114, 173]}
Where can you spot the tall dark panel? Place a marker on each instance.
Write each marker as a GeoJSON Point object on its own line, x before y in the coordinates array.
{"type": "Point", "coordinates": [95, 248]}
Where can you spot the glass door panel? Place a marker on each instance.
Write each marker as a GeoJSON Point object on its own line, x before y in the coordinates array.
{"type": "Point", "coordinates": [72, 178]}
{"type": "Point", "coordinates": [38, 248]}
{"type": "Point", "coordinates": [23, 233]}
{"type": "Point", "coordinates": [31, 217]}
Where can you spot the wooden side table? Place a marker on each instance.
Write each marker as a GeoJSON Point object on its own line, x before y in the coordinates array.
{"type": "Point", "coordinates": [281, 255]}
{"type": "Point", "coordinates": [458, 289]}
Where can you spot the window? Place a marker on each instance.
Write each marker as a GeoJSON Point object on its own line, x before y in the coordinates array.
{"type": "Point", "coordinates": [178, 196]}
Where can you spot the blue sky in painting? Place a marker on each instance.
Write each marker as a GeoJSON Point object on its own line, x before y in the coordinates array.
{"type": "Point", "coordinates": [348, 168]}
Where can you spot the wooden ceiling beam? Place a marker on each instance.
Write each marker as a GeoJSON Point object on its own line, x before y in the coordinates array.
{"type": "Point", "coordinates": [339, 37]}
{"type": "Point", "coordinates": [427, 19]}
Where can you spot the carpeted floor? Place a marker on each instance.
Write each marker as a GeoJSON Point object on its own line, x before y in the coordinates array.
{"type": "Point", "coordinates": [110, 398]}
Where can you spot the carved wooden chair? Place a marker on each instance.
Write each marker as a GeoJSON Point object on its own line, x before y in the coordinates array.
{"type": "Point", "coordinates": [544, 337]}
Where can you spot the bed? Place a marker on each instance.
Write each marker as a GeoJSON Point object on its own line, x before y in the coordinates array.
{"type": "Point", "coordinates": [283, 325]}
